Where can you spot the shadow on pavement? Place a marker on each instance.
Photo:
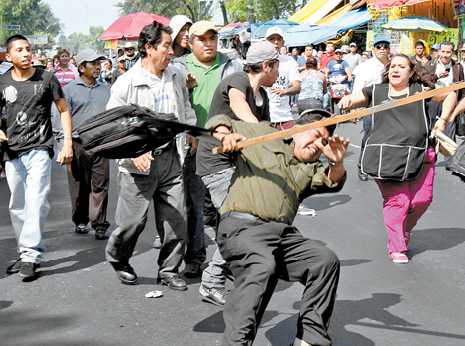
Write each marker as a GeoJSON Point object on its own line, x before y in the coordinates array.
{"type": "Point", "coordinates": [5, 304]}
{"type": "Point", "coordinates": [215, 323]}
{"type": "Point", "coordinates": [326, 202]}
{"type": "Point", "coordinates": [346, 312]}
{"type": "Point", "coordinates": [81, 259]}
{"type": "Point", "coordinates": [24, 326]}
{"type": "Point", "coordinates": [435, 239]}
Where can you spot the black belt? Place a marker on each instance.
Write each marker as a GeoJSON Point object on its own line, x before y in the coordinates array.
{"type": "Point", "coordinates": [160, 150]}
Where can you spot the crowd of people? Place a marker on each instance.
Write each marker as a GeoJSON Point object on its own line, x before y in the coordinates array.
{"type": "Point", "coordinates": [254, 194]}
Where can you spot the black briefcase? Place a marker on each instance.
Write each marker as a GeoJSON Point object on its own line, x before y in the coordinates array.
{"type": "Point", "coordinates": [129, 131]}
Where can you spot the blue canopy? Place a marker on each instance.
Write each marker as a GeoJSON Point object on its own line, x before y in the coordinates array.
{"type": "Point", "coordinates": [258, 30]}
{"type": "Point", "coordinates": [304, 34]}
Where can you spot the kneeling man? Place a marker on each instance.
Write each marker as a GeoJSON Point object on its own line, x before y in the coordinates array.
{"type": "Point", "coordinates": [256, 236]}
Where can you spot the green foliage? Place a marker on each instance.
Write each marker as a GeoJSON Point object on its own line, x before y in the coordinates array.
{"type": "Point", "coordinates": [263, 9]}
{"type": "Point", "coordinates": [33, 16]}
{"type": "Point", "coordinates": [237, 10]}
{"type": "Point", "coordinates": [167, 8]}
{"type": "Point", "coordinates": [78, 41]}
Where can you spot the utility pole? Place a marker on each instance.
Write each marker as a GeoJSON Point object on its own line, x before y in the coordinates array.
{"type": "Point", "coordinates": [223, 11]}
{"type": "Point", "coordinates": [250, 14]}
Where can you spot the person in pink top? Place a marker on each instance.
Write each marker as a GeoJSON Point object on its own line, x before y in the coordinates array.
{"type": "Point", "coordinates": [64, 72]}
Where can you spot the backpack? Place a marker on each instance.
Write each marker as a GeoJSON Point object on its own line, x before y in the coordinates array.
{"type": "Point", "coordinates": [130, 131]}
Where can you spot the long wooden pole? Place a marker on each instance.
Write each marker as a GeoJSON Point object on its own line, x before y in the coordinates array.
{"type": "Point", "coordinates": [356, 114]}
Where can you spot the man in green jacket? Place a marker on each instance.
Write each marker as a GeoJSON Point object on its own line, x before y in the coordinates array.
{"type": "Point", "coordinates": [256, 236]}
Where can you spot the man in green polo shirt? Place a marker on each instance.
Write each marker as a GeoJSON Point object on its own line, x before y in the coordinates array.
{"type": "Point", "coordinates": [256, 236]}
{"type": "Point", "coordinates": [207, 67]}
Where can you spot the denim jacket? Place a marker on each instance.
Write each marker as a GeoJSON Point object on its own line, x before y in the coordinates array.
{"type": "Point", "coordinates": [133, 87]}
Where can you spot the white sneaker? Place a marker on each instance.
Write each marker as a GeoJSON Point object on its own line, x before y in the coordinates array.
{"type": "Point", "coordinates": [304, 211]}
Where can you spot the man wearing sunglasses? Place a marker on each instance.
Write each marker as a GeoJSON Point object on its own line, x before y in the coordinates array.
{"type": "Point", "coordinates": [371, 72]}
{"type": "Point", "coordinates": [130, 54]}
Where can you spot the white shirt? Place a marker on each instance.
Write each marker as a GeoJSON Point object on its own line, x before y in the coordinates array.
{"type": "Point", "coordinates": [368, 73]}
{"type": "Point", "coordinates": [445, 81]}
{"type": "Point", "coordinates": [353, 60]}
{"type": "Point", "coordinates": [280, 108]}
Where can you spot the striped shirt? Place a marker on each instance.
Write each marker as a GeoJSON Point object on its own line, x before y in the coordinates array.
{"type": "Point", "coordinates": [65, 75]}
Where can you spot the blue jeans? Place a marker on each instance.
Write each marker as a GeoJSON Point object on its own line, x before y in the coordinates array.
{"type": "Point", "coordinates": [217, 184]}
{"type": "Point", "coordinates": [28, 178]}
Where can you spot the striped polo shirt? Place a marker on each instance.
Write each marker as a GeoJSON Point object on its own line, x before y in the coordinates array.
{"type": "Point", "coordinates": [64, 75]}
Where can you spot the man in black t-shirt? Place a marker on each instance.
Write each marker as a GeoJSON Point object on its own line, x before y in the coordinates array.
{"type": "Point", "coordinates": [241, 97]}
{"type": "Point", "coordinates": [26, 94]}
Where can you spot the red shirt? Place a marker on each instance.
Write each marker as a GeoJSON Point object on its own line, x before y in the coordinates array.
{"type": "Point", "coordinates": [325, 59]}
{"type": "Point", "coordinates": [64, 75]}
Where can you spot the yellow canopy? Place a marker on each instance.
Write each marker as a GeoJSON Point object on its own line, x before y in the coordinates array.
{"type": "Point", "coordinates": [332, 17]}
{"type": "Point", "coordinates": [314, 11]}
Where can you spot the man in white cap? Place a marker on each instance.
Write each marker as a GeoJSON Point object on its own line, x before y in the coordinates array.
{"type": "Point", "coordinates": [88, 176]}
{"type": "Point", "coordinates": [287, 84]}
{"type": "Point", "coordinates": [130, 54]}
{"type": "Point", "coordinates": [207, 67]}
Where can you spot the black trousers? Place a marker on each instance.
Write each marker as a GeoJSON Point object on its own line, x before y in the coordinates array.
{"type": "Point", "coordinates": [88, 180]}
{"type": "Point", "coordinates": [258, 254]}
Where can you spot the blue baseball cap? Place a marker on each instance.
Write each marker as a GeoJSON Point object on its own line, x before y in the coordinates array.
{"type": "Point", "coordinates": [381, 39]}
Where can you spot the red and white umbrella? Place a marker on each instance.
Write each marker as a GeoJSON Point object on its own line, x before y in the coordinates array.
{"type": "Point", "coordinates": [129, 27]}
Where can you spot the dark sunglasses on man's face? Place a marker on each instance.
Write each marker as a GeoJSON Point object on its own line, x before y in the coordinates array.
{"type": "Point", "coordinates": [128, 48]}
{"type": "Point", "coordinates": [382, 45]}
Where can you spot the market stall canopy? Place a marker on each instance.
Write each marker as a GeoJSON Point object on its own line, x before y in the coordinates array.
{"type": "Point", "coordinates": [386, 4]}
{"type": "Point", "coordinates": [130, 26]}
{"type": "Point", "coordinates": [414, 24]}
{"type": "Point", "coordinates": [314, 11]}
{"type": "Point", "coordinates": [259, 30]}
{"type": "Point", "coordinates": [305, 34]}
{"type": "Point", "coordinates": [334, 16]}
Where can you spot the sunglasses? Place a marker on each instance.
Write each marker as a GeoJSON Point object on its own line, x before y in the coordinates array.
{"type": "Point", "coordinates": [382, 45]}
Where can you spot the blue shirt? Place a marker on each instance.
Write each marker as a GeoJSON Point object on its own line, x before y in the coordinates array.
{"type": "Point", "coordinates": [85, 101]}
{"type": "Point", "coordinates": [337, 68]}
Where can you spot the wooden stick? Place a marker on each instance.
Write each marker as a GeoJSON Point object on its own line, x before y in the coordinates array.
{"type": "Point", "coordinates": [356, 114]}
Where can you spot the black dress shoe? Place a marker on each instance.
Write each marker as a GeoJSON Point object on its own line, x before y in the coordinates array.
{"type": "Point", "coordinates": [173, 281]}
{"type": "Point", "coordinates": [100, 233]}
{"type": "Point", "coordinates": [125, 273]}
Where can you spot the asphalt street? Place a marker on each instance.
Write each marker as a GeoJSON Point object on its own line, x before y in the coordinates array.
{"type": "Point", "coordinates": [77, 300]}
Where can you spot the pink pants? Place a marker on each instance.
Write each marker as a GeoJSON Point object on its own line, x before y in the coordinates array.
{"type": "Point", "coordinates": [405, 202]}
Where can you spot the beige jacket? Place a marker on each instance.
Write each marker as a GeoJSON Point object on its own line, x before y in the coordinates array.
{"type": "Point", "coordinates": [134, 87]}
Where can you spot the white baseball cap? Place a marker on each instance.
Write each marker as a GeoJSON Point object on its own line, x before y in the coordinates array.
{"type": "Point", "coordinates": [274, 31]}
